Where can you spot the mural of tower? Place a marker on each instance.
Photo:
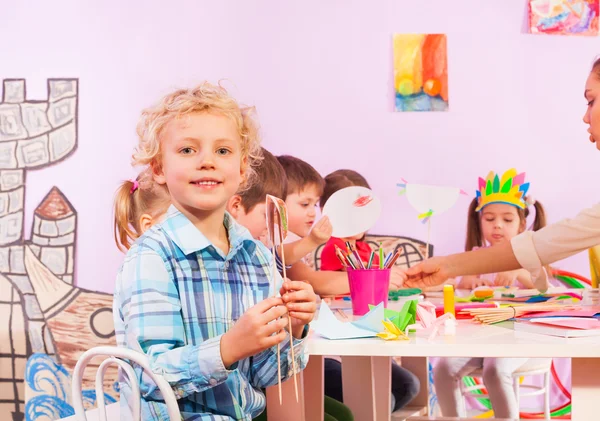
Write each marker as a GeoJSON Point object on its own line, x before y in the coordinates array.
{"type": "Point", "coordinates": [33, 134]}
{"type": "Point", "coordinates": [53, 234]}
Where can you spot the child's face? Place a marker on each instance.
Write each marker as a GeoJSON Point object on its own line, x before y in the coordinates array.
{"type": "Point", "coordinates": [255, 221]}
{"type": "Point", "coordinates": [301, 207]}
{"type": "Point", "coordinates": [592, 113]}
{"type": "Point", "coordinates": [201, 162]}
{"type": "Point", "coordinates": [500, 222]}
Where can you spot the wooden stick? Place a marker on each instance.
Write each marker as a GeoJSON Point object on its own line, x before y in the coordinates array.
{"type": "Point", "coordinates": [496, 315]}
{"type": "Point", "coordinates": [278, 348]}
{"type": "Point", "coordinates": [294, 368]}
{"type": "Point", "coordinates": [428, 234]}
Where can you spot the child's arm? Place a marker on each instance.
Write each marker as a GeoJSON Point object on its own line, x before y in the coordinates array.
{"type": "Point", "coordinates": [319, 234]}
{"type": "Point", "coordinates": [151, 312]}
{"type": "Point", "coordinates": [324, 282]}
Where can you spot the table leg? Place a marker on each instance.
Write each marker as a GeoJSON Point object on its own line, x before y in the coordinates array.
{"type": "Point", "coordinates": [357, 381]}
{"type": "Point", "coordinates": [367, 386]}
{"type": "Point", "coordinates": [289, 409]}
{"type": "Point", "coordinates": [382, 373]}
{"type": "Point", "coordinates": [311, 394]}
{"type": "Point", "coordinates": [314, 388]}
{"type": "Point", "coordinates": [585, 385]}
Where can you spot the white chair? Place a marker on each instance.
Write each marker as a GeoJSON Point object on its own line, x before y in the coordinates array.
{"type": "Point", "coordinates": [117, 356]}
{"type": "Point", "coordinates": [530, 368]}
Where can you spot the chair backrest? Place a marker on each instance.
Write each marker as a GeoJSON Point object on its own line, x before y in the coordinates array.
{"type": "Point", "coordinates": [412, 251]}
{"type": "Point", "coordinates": [119, 356]}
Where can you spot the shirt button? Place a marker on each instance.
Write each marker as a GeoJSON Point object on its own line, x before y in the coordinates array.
{"type": "Point", "coordinates": [213, 382]}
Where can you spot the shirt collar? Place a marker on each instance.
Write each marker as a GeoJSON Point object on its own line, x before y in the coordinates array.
{"type": "Point", "coordinates": [191, 240]}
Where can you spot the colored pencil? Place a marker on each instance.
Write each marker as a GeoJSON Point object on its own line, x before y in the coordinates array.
{"type": "Point", "coordinates": [371, 257]}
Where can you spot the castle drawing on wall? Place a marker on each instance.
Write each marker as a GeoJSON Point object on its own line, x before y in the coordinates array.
{"type": "Point", "coordinates": [46, 321]}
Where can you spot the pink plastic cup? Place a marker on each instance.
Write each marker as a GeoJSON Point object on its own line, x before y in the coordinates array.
{"type": "Point", "coordinates": [368, 286]}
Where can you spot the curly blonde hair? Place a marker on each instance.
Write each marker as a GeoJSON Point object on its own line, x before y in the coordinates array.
{"type": "Point", "coordinates": [205, 97]}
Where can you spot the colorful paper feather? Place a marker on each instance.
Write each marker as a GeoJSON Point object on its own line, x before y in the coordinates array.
{"type": "Point", "coordinates": [510, 189]}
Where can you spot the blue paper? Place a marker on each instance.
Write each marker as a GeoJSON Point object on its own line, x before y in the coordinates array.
{"type": "Point", "coordinates": [330, 327]}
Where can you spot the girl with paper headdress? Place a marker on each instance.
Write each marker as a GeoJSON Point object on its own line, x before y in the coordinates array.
{"type": "Point", "coordinates": [529, 250]}
{"type": "Point", "coordinates": [496, 215]}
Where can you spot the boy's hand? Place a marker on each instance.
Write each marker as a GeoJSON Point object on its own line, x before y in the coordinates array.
{"type": "Point", "coordinates": [301, 303]}
{"type": "Point", "coordinates": [259, 328]}
{"type": "Point", "coordinates": [321, 231]}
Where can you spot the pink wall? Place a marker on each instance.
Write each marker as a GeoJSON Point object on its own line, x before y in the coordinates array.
{"type": "Point", "coordinates": [320, 75]}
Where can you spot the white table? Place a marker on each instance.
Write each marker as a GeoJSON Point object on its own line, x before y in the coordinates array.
{"type": "Point", "coordinates": [366, 373]}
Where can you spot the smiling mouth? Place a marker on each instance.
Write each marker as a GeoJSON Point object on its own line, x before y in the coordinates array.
{"type": "Point", "coordinates": [206, 183]}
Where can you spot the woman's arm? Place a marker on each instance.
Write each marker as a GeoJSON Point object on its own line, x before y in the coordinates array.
{"type": "Point", "coordinates": [530, 250]}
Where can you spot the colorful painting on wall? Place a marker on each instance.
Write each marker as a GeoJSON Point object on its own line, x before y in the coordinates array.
{"type": "Point", "coordinates": [563, 17]}
{"type": "Point", "coordinates": [420, 72]}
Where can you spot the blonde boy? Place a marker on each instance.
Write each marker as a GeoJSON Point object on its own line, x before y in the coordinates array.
{"type": "Point", "coordinates": [195, 292]}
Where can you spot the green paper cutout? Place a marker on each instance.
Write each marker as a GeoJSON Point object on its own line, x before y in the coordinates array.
{"type": "Point", "coordinates": [507, 185]}
{"type": "Point", "coordinates": [405, 292]}
{"type": "Point", "coordinates": [496, 187]}
{"type": "Point", "coordinates": [401, 319]}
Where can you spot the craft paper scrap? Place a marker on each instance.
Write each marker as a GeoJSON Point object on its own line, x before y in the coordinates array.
{"type": "Point", "coordinates": [330, 327]}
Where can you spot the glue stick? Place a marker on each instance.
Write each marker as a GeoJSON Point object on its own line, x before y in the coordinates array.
{"type": "Point", "coordinates": [449, 299]}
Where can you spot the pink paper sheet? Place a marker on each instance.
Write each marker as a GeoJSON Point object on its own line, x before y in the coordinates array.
{"type": "Point", "coordinates": [570, 322]}
{"type": "Point", "coordinates": [588, 311]}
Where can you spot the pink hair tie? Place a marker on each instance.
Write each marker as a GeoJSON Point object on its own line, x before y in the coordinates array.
{"type": "Point", "coordinates": [135, 186]}
{"type": "Point", "coordinates": [530, 201]}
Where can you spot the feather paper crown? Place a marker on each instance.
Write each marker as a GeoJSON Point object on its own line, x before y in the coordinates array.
{"type": "Point", "coordinates": [510, 189]}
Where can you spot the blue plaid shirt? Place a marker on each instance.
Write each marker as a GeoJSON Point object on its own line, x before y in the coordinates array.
{"type": "Point", "coordinates": [176, 295]}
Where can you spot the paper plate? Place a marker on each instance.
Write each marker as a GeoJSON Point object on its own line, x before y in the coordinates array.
{"type": "Point", "coordinates": [352, 211]}
{"type": "Point", "coordinates": [424, 198]}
